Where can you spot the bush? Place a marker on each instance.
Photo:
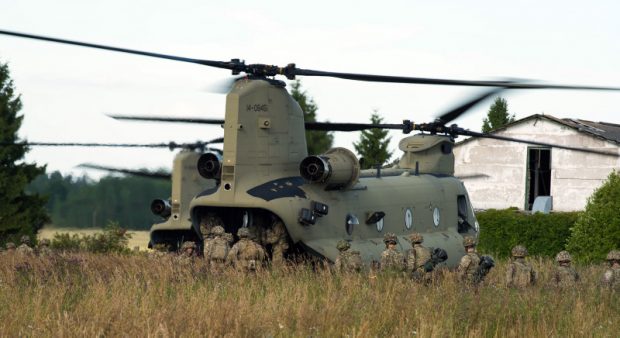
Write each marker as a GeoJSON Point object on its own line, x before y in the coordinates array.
{"type": "Point", "coordinates": [66, 242]}
{"type": "Point", "coordinates": [112, 239]}
{"type": "Point", "coordinates": [597, 231]}
{"type": "Point", "coordinates": [542, 234]}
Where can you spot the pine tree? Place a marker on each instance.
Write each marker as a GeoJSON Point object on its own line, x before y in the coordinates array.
{"type": "Point", "coordinates": [597, 230]}
{"type": "Point", "coordinates": [373, 144]}
{"type": "Point", "coordinates": [20, 213]}
{"type": "Point", "coordinates": [317, 142]}
{"type": "Point", "coordinates": [498, 116]}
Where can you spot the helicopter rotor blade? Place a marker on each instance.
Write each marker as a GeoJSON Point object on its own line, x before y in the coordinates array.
{"type": "Point", "coordinates": [291, 71]}
{"type": "Point", "coordinates": [167, 119]}
{"type": "Point", "coordinates": [322, 126]}
{"type": "Point", "coordinates": [169, 145]}
{"type": "Point", "coordinates": [453, 114]}
{"type": "Point", "coordinates": [217, 64]}
{"type": "Point", "coordinates": [139, 173]}
{"type": "Point", "coordinates": [544, 144]}
{"type": "Point", "coordinates": [445, 82]}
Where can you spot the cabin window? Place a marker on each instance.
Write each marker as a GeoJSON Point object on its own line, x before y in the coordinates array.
{"type": "Point", "coordinates": [462, 214]}
{"type": "Point", "coordinates": [538, 174]}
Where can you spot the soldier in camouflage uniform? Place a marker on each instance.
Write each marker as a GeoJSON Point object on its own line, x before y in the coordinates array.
{"type": "Point", "coordinates": [611, 277]}
{"type": "Point", "coordinates": [278, 238]}
{"type": "Point", "coordinates": [44, 248]}
{"type": "Point", "coordinates": [208, 222]}
{"type": "Point", "coordinates": [187, 253]}
{"type": "Point", "coordinates": [520, 273]}
{"type": "Point", "coordinates": [24, 248]}
{"type": "Point", "coordinates": [348, 260]}
{"type": "Point", "coordinates": [160, 250]}
{"type": "Point", "coordinates": [391, 259]}
{"type": "Point", "coordinates": [217, 248]}
{"type": "Point", "coordinates": [416, 258]}
{"type": "Point", "coordinates": [246, 255]}
{"type": "Point", "coordinates": [470, 262]}
{"type": "Point", "coordinates": [565, 276]}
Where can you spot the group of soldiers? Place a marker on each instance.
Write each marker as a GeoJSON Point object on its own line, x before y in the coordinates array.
{"type": "Point", "coordinates": [25, 247]}
{"type": "Point", "coordinates": [245, 255]}
{"type": "Point", "coordinates": [419, 263]}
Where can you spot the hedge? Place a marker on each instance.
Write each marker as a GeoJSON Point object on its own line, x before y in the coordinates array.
{"type": "Point", "coordinates": [542, 234]}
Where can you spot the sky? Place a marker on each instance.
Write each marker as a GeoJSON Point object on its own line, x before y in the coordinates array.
{"type": "Point", "coordinates": [67, 90]}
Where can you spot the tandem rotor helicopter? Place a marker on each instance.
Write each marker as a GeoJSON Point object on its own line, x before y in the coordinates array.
{"type": "Point", "coordinates": [264, 176]}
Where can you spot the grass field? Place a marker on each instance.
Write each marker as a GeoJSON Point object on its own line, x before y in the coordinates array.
{"type": "Point", "coordinates": [138, 238]}
{"type": "Point", "coordinates": [98, 295]}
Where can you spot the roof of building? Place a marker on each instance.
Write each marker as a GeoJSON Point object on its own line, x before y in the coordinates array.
{"type": "Point", "coordinates": [602, 130]}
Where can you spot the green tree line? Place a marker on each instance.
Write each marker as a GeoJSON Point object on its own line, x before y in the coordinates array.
{"type": "Point", "coordinates": [80, 202]}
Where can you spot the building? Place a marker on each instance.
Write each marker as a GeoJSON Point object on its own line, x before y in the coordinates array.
{"type": "Point", "coordinates": [516, 173]}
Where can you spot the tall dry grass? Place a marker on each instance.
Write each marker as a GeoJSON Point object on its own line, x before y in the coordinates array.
{"type": "Point", "coordinates": [97, 295]}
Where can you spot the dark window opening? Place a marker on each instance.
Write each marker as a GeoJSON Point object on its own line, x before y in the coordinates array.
{"type": "Point", "coordinates": [538, 174]}
{"type": "Point", "coordinates": [462, 217]}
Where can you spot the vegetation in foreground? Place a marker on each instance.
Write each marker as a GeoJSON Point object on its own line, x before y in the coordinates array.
{"type": "Point", "coordinates": [133, 295]}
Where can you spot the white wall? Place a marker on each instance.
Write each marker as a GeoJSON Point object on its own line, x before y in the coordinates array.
{"type": "Point", "coordinates": [574, 175]}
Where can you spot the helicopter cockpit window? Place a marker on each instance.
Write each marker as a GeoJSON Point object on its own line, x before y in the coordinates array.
{"type": "Point", "coordinates": [463, 219]}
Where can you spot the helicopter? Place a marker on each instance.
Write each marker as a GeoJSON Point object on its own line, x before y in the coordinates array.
{"type": "Point", "coordinates": [176, 225]}
{"type": "Point", "coordinates": [265, 177]}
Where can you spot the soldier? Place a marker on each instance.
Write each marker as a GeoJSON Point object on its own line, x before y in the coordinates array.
{"type": "Point", "coordinates": [520, 273]}
{"type": "Point", "coordinates": [565, 275]}
{"type": "Point", "coordinates": [217, 248]}
{"type": "Point", "coordinates": [208, 222]}
{"type": "Point", "coordinates": [348, 260]}
{"type": "Point", "coordinates": [24, 248]}
{"type": "Point", "coordinates": [44, 248]}
{"type": "Point", "coordinates": [246, 255]}
{"type": "Point", "coordinates": [391, 259]}
{"type": "Point", "coordinates": [611, 277]}
{"type": "Point", "coordinates": [187, 253]}
{"type": "Point", "coordinates": [470, 263]}
{"type": "Point", "coordinates": [10, 247]}
{"type": "Point", "coordinates": [278, 238]}
{"type": "Point", "coordinates": [417, 258]}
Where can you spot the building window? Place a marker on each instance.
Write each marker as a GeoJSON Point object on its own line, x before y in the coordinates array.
{"type": "Point", "coordinates": [538, 174]}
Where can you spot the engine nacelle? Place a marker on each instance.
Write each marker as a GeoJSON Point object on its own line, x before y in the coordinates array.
{"type": "Point", "coordinates": [161, 208]}
{"type": "Point", "coordinates": [209, 166]}
{"type": "Point", "coordinates": [338, 168]}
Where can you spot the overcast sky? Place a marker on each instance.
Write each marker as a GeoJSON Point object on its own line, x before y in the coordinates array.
{"type": "Point", "coordinates": [66, 90]}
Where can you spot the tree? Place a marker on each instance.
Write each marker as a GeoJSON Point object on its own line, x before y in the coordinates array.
{"type": "Point", "coordinates": [373, 143]}
{"type": "Point", "coordinates": [317, 142]}
{"type": "Point", "coordinates": [597, 230]}
{"type": "Point", "coordinates": [498, 116]}
{"type": "Point", "coordinates": [20, 213]}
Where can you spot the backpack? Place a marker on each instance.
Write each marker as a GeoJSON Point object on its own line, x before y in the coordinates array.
{"type": "Point", "coordinates": [219, 249]}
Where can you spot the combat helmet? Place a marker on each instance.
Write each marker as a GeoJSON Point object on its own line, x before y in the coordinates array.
{"type": "Point", "coordinates": [343, 245]}
{"type": "Point", "coordinates": [390, 237]}
{"type": "Point", "coordinates": [217, 230]}
{"type": "Point", "coordinates": [243, 232]}
{"type": "Point", "coordinates": [469, 241]}
{"type": "Point", "coordinates": [563, 256]}
{"type": "Point", "coordinates": [25, 239]}
{"type": "Point", "coordinates": [188, 245]}
{"type": "Point", "coordinates": [519, 251]}
{"type": "Point", "coordinates": [416, 237]}
{"type": "Point", "coordinates": [613, 255]}
{"type": "Point", "coordinates": [10, 246]}
{"type": "Point", "coordinates": [44, 242]}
